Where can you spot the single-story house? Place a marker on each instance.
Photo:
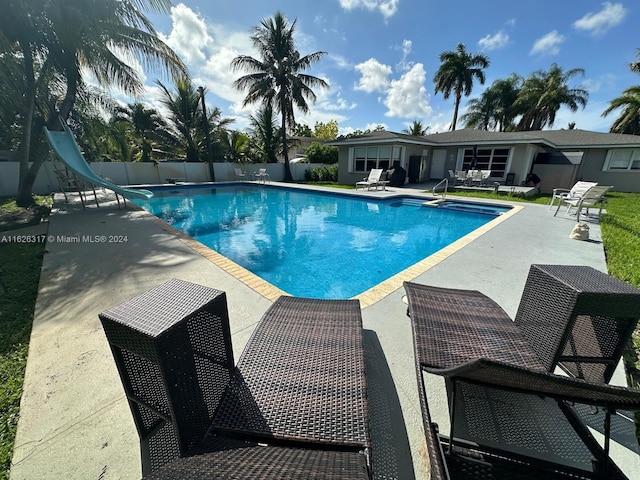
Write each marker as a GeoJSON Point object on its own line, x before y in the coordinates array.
{"type": "Point", "coordinates": [558, 157]}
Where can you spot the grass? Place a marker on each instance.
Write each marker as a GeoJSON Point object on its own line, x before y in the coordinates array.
{"type": "Point", "coordinates": [19, 277]}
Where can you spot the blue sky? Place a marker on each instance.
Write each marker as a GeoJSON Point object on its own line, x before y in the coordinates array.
{"type": "Point", "coordinates": [382, 54]}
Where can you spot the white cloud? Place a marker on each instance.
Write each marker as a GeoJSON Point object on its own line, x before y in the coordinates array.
{"type": "Point", "coordinates": [405, 48]}
{"type": "Point", "coordinates": [388, 8]}
{"type": "Point", "coordinates": [407, 96]}
{"type": "Point", "coordinates": [189, 37]}
{"type": "Point", "coordinates": [493, 42]}
{"type": "Point", "coordinates": [597, 23]}
{"type": "Point", "coordinates": [340, 61]}
{"type": "Point", "coordinates": [374, 76]}
{"type": "Point", "coordinates": [548, 44]}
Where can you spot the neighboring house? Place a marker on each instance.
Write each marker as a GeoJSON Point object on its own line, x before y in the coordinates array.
{"type": "Point", "coordinates": [297, 146]}
{"type": "Point", "coordinates": [558, 157]}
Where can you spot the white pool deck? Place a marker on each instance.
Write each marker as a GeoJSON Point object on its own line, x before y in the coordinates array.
{"type": "Point", "coordinates": [75, 422]}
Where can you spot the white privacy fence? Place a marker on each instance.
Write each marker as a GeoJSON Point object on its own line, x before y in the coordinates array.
{"type": "Point", "coordinates": [143, 173]}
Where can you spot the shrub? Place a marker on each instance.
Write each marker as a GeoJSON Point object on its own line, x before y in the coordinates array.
{"type": "Point", "coordinates": [320, 153]}
{"type": "Point", "coordinates": [326, 173]}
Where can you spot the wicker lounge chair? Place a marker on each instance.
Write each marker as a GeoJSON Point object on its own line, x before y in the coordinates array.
{"type": "Point", "coordinates": [509, 415]}
{"type": "Point", "coordinates": [299, 387]}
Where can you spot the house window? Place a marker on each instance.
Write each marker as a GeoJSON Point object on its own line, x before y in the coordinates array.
{"type": "Point", "coordinates": [494, 159]}
{"type": "Point", "coordinates": [367, 158]}
{"type": "Point", "coordinates": [623, 159]}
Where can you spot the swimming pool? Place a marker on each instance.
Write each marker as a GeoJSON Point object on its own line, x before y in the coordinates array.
{"type": "Point", "coordinates": [312, 244]}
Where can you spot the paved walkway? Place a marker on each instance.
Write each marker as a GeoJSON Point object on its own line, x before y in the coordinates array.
{"type": "Point", "coordinates": [75, 422]}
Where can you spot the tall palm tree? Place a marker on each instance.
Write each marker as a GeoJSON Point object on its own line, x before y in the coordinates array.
{"type": "Point", "coordinates": [185, 116]}
{"type": "Point", "coordinates": [456, 74]}
{"type": "Point", "coordinates": [417, 129]}
{"type": "Point", "coordinates": [494, 109]}
{"type": "Point", "coordinates": [543, 93]}
{"type": "Point", "coordinates": [265, 133]}
{"type": "Point", "coordinates": [480, 112]}
{"type": "Point", "coordinates": [276, 78]}
{"type": "Point", "coordinates": [145, 123]}
{"type": "Point", "coordinates": [628, 120]}
{"type": "Point", "coordinates": [71, 36]}
{"type": "Point", "coordinates": [505, 92]}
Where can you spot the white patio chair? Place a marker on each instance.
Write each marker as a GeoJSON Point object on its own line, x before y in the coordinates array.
{"type": "Point", "coordinates": [239, 174]}
{"type": "Point", "coordinates": [372, 180]}
{"type": "Point", "coordinates": [262, 176]}
{"type": "Point", "coordinates": [575, 192]}
{"type": "Point", "coordinates": [592, 197]}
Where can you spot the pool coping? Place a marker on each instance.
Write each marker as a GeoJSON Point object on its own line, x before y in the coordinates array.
{"type": "Point", "coordinates": [369, 296]}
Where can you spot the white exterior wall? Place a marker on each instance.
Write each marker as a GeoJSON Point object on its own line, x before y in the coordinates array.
{"type": "Point", "coordinates": [143, 173]}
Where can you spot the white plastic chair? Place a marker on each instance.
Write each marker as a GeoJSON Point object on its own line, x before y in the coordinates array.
{"type": "Point", "coordinates": [372, 180]}
{"type": "Point", "coordinates": [262, 176]}
{"type": "Point", "coordinates": [561, 194]}
{"type": "Point", "coordinates": [239, 174]}
{"type": "Point", "coordinates": [592, 197]}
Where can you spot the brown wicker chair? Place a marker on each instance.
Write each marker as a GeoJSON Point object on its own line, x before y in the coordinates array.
{"type": "Point", "coordinates": [510, 417]}
{"type": "Point", "coordinates": [299, 387]}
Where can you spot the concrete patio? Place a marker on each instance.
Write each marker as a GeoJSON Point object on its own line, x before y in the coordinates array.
{"type": "Point", "coordinates": [75, 422]}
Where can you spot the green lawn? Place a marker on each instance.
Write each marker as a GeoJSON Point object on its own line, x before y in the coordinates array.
{"type": "Point", "coordinates": [20, 272]}
{"type": "Point", "coordinates": [19, 276]}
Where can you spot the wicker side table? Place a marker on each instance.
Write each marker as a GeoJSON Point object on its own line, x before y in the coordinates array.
{"type": "Point", "coordinates": [579, 318]}
{"type": "Point", "coordinates": [172, 348]}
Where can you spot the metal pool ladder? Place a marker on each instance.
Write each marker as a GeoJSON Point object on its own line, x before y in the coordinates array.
{"type": "Point", "coordinates": [446, 187]}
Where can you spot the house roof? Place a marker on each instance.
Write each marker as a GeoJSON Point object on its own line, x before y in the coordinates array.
{"type": "Point", "coordinates": [557, 139]}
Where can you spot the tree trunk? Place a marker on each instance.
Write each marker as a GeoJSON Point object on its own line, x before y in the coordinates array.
{"type": "Point", "coordinates": [39, 154]}
{"type": "Point", "coordinates": [287, 168]}
{"type": "Point", "coordinates": [207, 135]}
{"type": "Point", "coordinates": [24, 197]}
{"type": "Point", "coordinates": [456, 105]}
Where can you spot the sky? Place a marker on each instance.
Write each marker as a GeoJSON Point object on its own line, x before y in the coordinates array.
{"type": "Point", "coordinates": [381, 55]}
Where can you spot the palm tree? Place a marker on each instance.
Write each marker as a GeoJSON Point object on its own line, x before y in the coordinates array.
{"type": "Point", "coordinates": [265, 133]}
{"type": "Point", "coordinates": [456, 74]}
{"type": "Point", "coordinates": [276, 78]}
{"type": "Point", "coordinates": [71, 36]}
{"type": "Point", "coordinates": [185, 116]}
{"type": "Point", "coordinates": [417, 129]}
{"type": "Point", "coordinates": [635, 66]}
{"type": "Point", "coordinates": [145, 123]}
{"type": "Point", "coordinates": [481, 112]}
{"type": "Point", "coordinates": [237, 144]}
{"type": "Point", "coordinates": [629, 119]}
{"type": "Point", "coordinates": [544, 92]}
{"type": "Point", "coordinates": [505, 92]}
{"type": "Point", "coordinates": [494, 109]}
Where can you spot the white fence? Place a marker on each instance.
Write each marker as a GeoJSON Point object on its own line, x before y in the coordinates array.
{"type": "Point", "coordinates": [140, 173]}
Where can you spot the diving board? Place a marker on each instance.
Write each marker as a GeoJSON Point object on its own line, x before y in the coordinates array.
{"type": "Point", "coordinates": [68, 151]}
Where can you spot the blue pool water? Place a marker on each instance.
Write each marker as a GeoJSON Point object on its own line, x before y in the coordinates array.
{"type": "Point", "coordinates": [312, 244]}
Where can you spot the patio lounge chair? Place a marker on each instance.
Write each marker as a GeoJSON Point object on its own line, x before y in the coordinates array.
{"type": "Point", "coordinates": [592, 197]}
{"type": "Point", "coordinates": [509, 413]}
{"type": "Point", "coordinates": [372, 180]}
{"type": "Point", "coordinates": [575, 192]}
{"type": "Point", "coordinates": [295, 406]}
